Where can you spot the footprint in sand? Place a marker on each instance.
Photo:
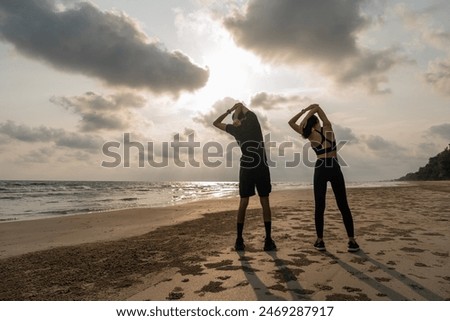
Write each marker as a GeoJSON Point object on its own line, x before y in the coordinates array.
{"type": "Point", "coordinates": [383, 239]}
{"type": "Point", "coordinates": [286, 274]}
{"type": "Point", "coordinates": [277, 287]}
{"type": "Point", "coordinates": [347, 297]}
{"type": "Point", "coordinates": [350, 289]}
{"type": "Point", "coordinates": [323, 287]}
{"type": "Point", "coordinates": [212, 287]}
{"type": "Point", "coordinates": [219, 264]}
{"type": "Point", "coordinates": [441, 254]}
{"type": "Point", "coordinates": [359, 260]}
{"type": "Point", "coordinates": [186, 269]}
{"type": "Point", "coordinates": [373, 268]}
{"type": "Point", "coordinates": [175, 294]}
{"type": "Point", "coordinates": [243, 283]}
{"type": "Point", "coordinates": [432, 234]}
{"type": "Point", "coordinates": [301, 260]}
{"type": "Point", "coordinates": [382, 279]}
{"type": "Point", "coordinates": [246, 258]}
{"type": "Point", "coordinates": [225, 265]}
{"type": "Point", "coordinates": [412, 250]}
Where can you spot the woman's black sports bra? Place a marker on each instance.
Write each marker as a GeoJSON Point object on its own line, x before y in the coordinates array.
{"type": "Point", "coordinates": [320, 149]}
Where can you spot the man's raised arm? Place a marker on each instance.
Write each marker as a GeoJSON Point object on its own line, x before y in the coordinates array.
{"type": "Point", "coordinates": [219, 121]}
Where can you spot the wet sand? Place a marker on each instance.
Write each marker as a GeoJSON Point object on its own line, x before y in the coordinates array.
{"type": "Point", "coordinates": [185, 252]}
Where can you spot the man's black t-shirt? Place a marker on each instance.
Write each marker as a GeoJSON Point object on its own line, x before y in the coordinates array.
{"type": "Point", "coordinates": [249, 138]}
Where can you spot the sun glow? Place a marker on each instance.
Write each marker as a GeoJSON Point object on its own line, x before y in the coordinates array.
{"type": "Point", "coordinates": [233, 71]}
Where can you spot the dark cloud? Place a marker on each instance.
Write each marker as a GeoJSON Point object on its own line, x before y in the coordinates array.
{"type": "Point", "coordinates": [105, 45]}
{"type": "Point", "coordinates": [59, 137]}
{"type": "Point", "coordinates": [102, 112]}
{"type": "Point", "coordinates": [320, 33]}
{"type": "Point", "coordinates": [345, 134]}
{"type": "Point", "coordinates": [442, 131]}
{"type": "Point", "coordinates": [438, 75]}
{"type": "Point", "coordinates": [272, 101]}
{"type": "Point", "coordinates": [27, 134]}
{"type": "Point", "coordinates": [283, 30]}
{"type": "Point", "coordinates": [79, 141]}
{"type": "Point", "coordinates": [383, 147]}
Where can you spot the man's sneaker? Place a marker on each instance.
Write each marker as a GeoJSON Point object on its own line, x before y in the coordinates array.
{"type": "Point", "coordinates": [239, 245]}
{"type": "Point", "coordinates": [269, 245]}
{"type": "Point", "coordinates": [353, 246]}
{"type": "Point", "coordinates": [319, 245]}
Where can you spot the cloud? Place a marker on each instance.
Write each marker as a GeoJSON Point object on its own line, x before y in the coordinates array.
{"type": "Point", "coordinates": [217, 109]}
{"type": "Point", "coordinates": [43, 134]}
{"type": "Point", "coordinates": [422, 23]}
{"type": "Point", "coordinates": [273, 101]}
{"type": "Point", "coordinates": [27, 134]}
{"type": "Point", "coordinates": [345, 134]}
{"type": "Point", "coordinates": [319, 33]}
{"type": "Point", "coordinates": [438, 75]}
{"type": "Point", "coordinates": [102, 112]}
{"type": "Point", "coordinates": [106, 45]}
{"type": "Point", "coordinates": [383, 147]}
{"type": "Point", "coordinates": [79, 141]}
{"type": "Point", "coordinates": [41, 155]}
{"type": "Point", "coordinates": [442, 131]}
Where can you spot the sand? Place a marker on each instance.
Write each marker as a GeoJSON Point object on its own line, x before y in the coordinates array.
{"type": "Point", "coordinates": [185, 252]}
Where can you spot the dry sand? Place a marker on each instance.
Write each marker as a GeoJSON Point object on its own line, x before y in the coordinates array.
{"type": "Point", "coordinates": [185, 252]}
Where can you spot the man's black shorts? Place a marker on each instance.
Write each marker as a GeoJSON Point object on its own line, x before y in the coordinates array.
{"type": "Point", "coordinates": [258, 177]}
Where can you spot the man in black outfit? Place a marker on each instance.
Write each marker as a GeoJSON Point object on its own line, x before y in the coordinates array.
{"type": "Point", "coordinates": [254, 171]}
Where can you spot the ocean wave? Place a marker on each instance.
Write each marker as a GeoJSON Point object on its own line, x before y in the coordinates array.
{"type": "Point", "coordinates": [8, 219]}
{"type": "Point", "coordinates": [35, 199]}
{"type": "Point", "coordinates": [10, 197]}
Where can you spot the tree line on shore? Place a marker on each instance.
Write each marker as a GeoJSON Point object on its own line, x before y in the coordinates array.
{"type": "Point", "coordinates": [438, 168]}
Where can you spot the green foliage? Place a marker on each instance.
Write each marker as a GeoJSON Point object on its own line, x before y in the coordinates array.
{"type": "Point", "coordinates": [438, 168]}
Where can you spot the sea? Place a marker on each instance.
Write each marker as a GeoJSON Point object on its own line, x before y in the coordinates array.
{"type": "Point", "coordinates": [28, 200]}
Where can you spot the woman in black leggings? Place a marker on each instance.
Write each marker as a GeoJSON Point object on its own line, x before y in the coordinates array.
{"type": "Point", "coordinates": [327, 169]}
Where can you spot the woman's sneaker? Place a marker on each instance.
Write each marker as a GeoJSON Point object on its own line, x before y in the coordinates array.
{"type": "Point", "coordinates": [353, 246]}
{"type": "Point", "coordinates": [319, 245]}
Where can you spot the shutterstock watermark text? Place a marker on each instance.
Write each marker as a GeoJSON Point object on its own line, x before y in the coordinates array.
{"type": "Point", "coordinates": [183, 151]}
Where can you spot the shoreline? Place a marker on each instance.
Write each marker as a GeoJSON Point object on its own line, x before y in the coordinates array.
{"type": "Point", "coordinates": [277, 186]}
{"type": "Point", "coordinates": [186, 253]}
{"type": "Point", "coordinates": [287, 186]}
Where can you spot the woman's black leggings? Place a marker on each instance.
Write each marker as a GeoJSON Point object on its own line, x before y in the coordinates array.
{"type": "Point", "coordinates": [329, 170]}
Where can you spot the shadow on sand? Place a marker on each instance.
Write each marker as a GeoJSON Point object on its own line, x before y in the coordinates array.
{"type": "Point", "coordinates": [287, 280]}
{"type": "Point", "coordinates": [383, 289]}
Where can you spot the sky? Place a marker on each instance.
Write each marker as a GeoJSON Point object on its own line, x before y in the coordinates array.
{"type": "Point", "coordinates": [128, 90]}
